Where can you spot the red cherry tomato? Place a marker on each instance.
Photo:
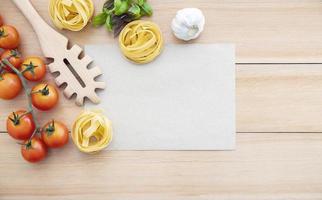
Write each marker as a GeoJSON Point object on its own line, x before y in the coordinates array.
{"type": "Point", "coordinates": [44, 96]}
{"type": "Point", "coordinates": [33, 68]}
{"type": "Point", "coordinates": [34, 150]}
{"type": "Point", "coordinates": [14, 57]}
{"type": "Point", "coordinates": [20, 125]}
{"type": "Point", "coordinates": [54, 134]}
{"type": "Point", "coordinates": [9, 37]}
{"type": "Point", "coordinates": [10, 85]}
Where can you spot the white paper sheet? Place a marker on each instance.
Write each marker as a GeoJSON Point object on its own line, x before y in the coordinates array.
{"type": "Point", "coordinates": [184, 100]}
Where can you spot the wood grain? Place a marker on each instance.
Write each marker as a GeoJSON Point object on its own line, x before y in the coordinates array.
{"type": "Point", "coordinates": [263, 31]}
{"type": "Point", "coordinates": [264, 166]}
{"type": "Point", "coordinates": [279, 98]}
{"type": "Point", "coordinates": [270, 98]}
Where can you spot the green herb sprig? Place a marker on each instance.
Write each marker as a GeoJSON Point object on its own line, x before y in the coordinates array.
{"type": "Point", "coordinates": [117, 13]}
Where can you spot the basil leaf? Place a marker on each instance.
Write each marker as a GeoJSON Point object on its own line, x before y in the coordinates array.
{"type": "Point", "coordinates": [140, 2]}
{"type": "Point", "coordinates": [147, 9]}
{"type": "Point", "coordinates": [135, 11]}
{"type": "Point", "coordinates": [108, 23]}
{"type": "Point", "coordinates": [99, 19]}
{"type": "Point", "coordinates": [108, 5]}
{"type": "Point", "coordinates": [117, 3]}
{"type": "Point", "coordinates": [120, 7]}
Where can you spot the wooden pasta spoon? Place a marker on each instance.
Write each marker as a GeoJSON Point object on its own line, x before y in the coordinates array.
{"type": "Point", "coordinates": [73, 70]}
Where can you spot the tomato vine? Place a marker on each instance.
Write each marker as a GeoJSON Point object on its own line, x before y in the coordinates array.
{"type": "Point", "coordinates": [5, 62]}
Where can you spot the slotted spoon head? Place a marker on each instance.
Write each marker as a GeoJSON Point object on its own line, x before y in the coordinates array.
{"type": "Point", "coordinates": [74, 72]}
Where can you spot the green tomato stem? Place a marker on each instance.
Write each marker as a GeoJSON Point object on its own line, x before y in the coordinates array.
{"type": "Point", "coordinates": [27, 92]}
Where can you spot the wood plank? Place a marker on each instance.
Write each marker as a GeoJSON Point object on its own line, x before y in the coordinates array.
{"type": "Point", "coordinates": [270, 98]}
{"type": "Point", "coordinates": [264, 166]}
{"type": "Point", "coordinates": [263, 31]}
{"type": "Point", "coordinates": [279, 98]}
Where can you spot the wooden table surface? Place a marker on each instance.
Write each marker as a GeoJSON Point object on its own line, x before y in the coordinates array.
{"type": "Point", "coordinates": [279, 116]}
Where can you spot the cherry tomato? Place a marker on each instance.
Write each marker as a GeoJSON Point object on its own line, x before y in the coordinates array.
{"type": "Point", "coordinates": [1, 21]}
{"type": "Point", "coordinates": [14, 57]}
{"type": "Point", "coordinates": [9, 37]}
{"type": "Point", "coordinates": [10, 85]}
{"type": "Point", "coordinates": [54, 134]}
{"type": "Point", "coordinates": [44, 96]}
{"type": "Point", "coordinates": [20, 125]}
{"type": "Point", "coordinates": [33, 68]}
{"type": "Point", "coordinates": [34, 150]}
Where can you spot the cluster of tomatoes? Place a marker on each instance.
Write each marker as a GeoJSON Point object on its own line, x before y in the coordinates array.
{"type": "Point", "coordinates": [21, 124]}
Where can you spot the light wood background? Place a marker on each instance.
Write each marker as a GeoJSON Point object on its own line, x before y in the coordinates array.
{"type": "Point", "coordinates": [279, 116]}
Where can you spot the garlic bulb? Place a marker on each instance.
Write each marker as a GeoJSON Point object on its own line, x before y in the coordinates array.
{"type": "Point", "coordinates": [188, 23]}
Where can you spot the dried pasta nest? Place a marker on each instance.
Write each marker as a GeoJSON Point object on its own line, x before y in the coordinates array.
{"type": "Point", "coordinates": [141, 41]}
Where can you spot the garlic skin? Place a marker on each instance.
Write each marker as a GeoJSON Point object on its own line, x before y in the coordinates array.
{"type": "Point", "coordinates": [188, 23]}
